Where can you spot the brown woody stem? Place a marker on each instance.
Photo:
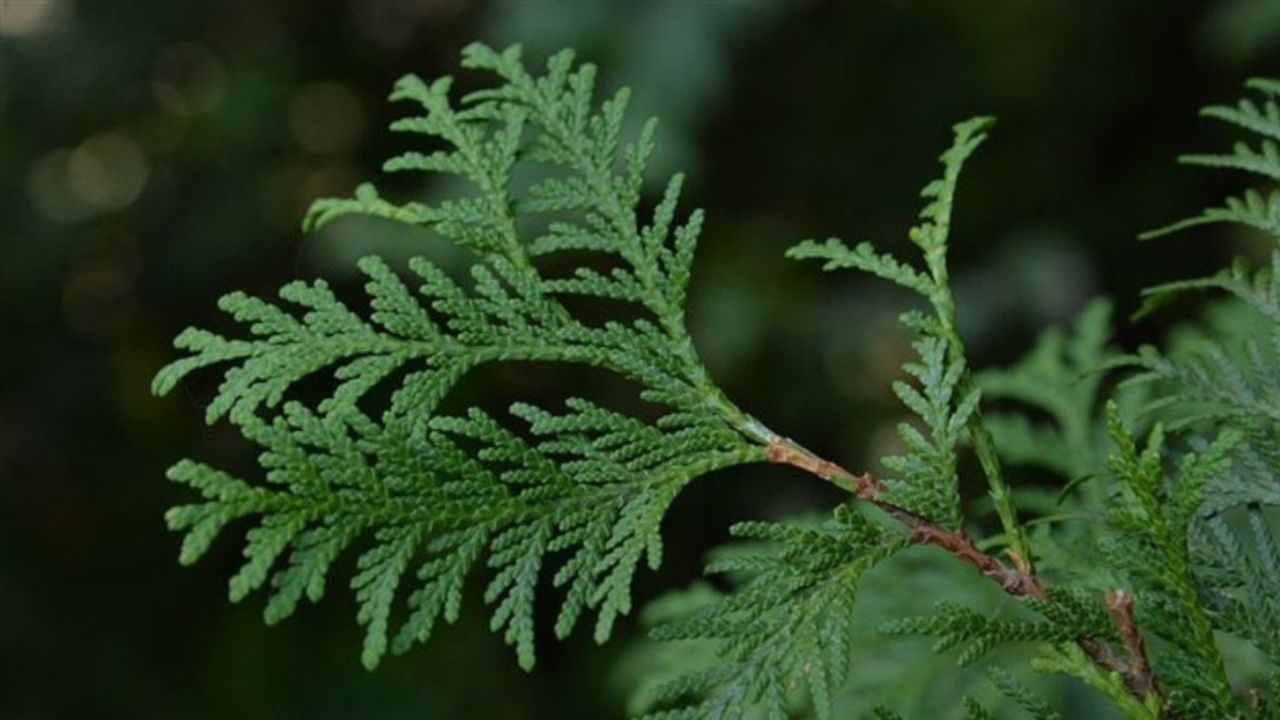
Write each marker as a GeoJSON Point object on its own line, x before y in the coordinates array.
{"type": "Point", "coordinates": [1018, 579]}
{"type": "Point", "coordinates": [1139, 678]}
{"type": "Point", "coordinates": [869, 489]}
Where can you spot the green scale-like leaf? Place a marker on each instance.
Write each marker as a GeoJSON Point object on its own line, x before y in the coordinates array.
{"type": "Point", "coordinates": [947, 399]}
{"type": "Point", "coordinates": [1231, 382]}
{"type": "Point", "coordinates": [592, 489]}
{"type": "Point", "coordinates": [1150, 519]}
{"type": "Point", "coordinates": [1258, 208]}
{"type": "Point", "coordinates": [787, 630]}
{"type": "Point", "coordinates": [426, 500]}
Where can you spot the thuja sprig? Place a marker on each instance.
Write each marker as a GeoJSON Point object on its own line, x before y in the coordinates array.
{"type": "Point", "coordinates": [932, 236]}
{"type": "Point", "coordinates": [923, 497]}
{"type": "Point", "coordinates": [577, 494]}
{"type": "Point", "coordinates": [436, 499]}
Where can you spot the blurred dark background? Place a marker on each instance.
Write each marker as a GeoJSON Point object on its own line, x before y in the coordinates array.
{"type": "Point", "coordinates": [154, 155]}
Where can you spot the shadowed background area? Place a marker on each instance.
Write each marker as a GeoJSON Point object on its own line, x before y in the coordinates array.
{"type": "Point", "coordinates": [154, 156]}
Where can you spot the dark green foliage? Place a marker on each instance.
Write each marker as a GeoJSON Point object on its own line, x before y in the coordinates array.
{"type": "Point", "coordinates": [974, 711]}
{"type": "Point", "coordinates": [1220, 383]}
{"type": "Point", "coordinates": [1021, 694]}
{"type": "Point", "coordinates": [1067, 616]}
{"type": "Point", "coordinates": [1150, 519]}
{"type": "Point", "coordinates": [786, 628]}
{"type": "Point", "coordinates": [1228, 388]}
{"type": "Point", "coordinates": [1242, 584]}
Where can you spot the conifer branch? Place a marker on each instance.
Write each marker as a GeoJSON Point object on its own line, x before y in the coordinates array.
{"type": "Point", "coordinates": [578, 495]}
{"type": "Point", "coordinates": [932, 235]}
{"type": "Point", "coordinates": [1018, 580]}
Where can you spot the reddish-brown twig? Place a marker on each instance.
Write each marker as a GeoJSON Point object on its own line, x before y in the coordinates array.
{"type": "Point", "coordinates": [1139, 678]}
{"type": "Point", "coordinates": [1019, 580]}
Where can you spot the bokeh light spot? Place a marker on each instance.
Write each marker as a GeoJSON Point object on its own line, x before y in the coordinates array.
{"type": "Point", "coordinates": [188, 79]}
{"type": "Point", "coordinates": [48, 183]}
{"type": "Point", "coordinates": [98, 298]}
{"type": "Point", "coordinates": [326, 118]}
{"type": "Point", "coordinates": [31, 18]}
{"type": "Point", "coordinates": [107, 171]}
{"type": "Point", "coordinates": [391, 25]}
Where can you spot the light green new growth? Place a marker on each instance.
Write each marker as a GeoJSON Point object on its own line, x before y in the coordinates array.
{"type": "Point", "coordinates": [938, 332]}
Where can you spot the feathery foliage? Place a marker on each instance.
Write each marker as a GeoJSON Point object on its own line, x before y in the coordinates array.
{"type": "Point", "coordinates": [1234, 384]}
{"type": "Point", "coordinates": [1068, 616]}
{"type": "Point", "coordinates": [1241, 584]}
{"type": "Point", "coordinates": [1256, 208]}
{"type": "Point", "coordinates": [1171, 548]}
{"type": "Point", "coordinates": [1150, 521]}
{"type": "Point", "coordinates": [778, 624]}
{"type": "Point", "coordinates": [1021, 694]}
{"type": "Point", "coordinates": [1057, 378]}
{"type": "Point", "coordinates": [439, 495]}
{"type": "Point", "coordinates": [1222, 398]}
{"type": "Point", "coordinates": [948, 399]}
{"type": "Point", "coordinates": [1218, 383]}
{"type": "Point", "coordinates": [788, 627]}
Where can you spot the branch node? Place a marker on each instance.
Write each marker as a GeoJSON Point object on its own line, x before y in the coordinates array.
{"type": "Point", "coordinates": [1019, 580]}
{"type": "Point", "coordinates": [1137, 675]}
